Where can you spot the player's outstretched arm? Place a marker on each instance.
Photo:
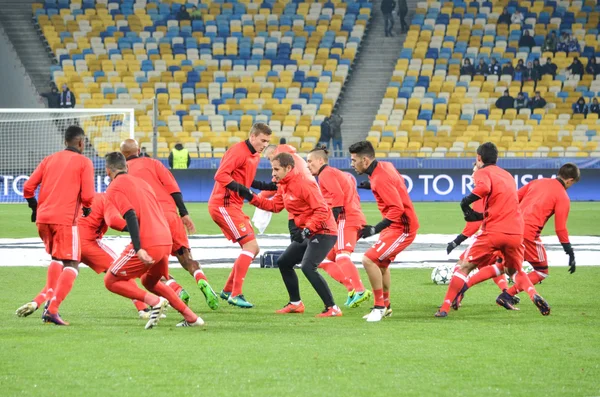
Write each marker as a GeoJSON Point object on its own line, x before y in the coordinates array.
{"type": "Point", "coordinates": [470, 214]}
{"type": "Point", "coordinates": [266, 186]}
{"type": "Point", "coordinates": [455, 243]}
{"type": "Point", "coordinates": [273, 205]}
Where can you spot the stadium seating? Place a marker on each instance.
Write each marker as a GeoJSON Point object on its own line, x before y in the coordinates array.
{"type": "Point", "coordinates": [280, 62]}
{"type": "Point", "coordinates": [430, 110]}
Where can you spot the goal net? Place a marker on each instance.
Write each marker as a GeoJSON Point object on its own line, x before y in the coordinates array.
{"type": "Point", "coordinates": [29, 135]}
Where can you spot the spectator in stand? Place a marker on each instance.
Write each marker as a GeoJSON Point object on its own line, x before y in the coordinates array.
{"type": "Point", "coordinates": [526, 40]}
{"type": "Point", "coordinates": [508, 69]}
{"type": "Point", "coordinates": [402, 13]}
{"type": "Point", "coordinates": [482, 68]}
{"type": "Point", "coordinates": [580, 107]}
{"type": "Point", "coordinates": [505, 102]}
{"type": "Point", "coordinates": [196, 13]}
{"type": "Point", "coordinates": [563, 42]}
{"type": "Point", "coordinates": [517, 18]}
{"type": "Point", "coordinates": [550, 42]}
{"type": "Point", "coordinates": [53, 97]}
{"type": "Point", "coordinates": [573, 45]}
{"type": "Point", "coordinates": [521, 102]}
{"type": "Point", "coordinates": [282, 141]}
{"type": "Point", "coordinates": [527, 73]}
{"type": "Point", "coordinates": [179, 158]}
{"type": "Point", "coordinates": [504, 18]}
{"type": "Point", "coordinates": [467, 68]}
{"type": "Point", "coordinates": [183, 15]}
{"type": "Point", "coordinates": [494, 67]}
{"type": "Point", "coordinates": [595, 107]}
{"type": "Point", "coordinates": [576, 67]}
{"type": "Point", "coordinates": [536, 71]}
{"type": "Point", "coordinates": [335, 124]}
{"type": "Point", "coordinates": [325, 133]}
{"type": "Point", "coordinates": [520, 71]}
{"type": "Point", "coordinates": [67, 98]}
{"type": "Point", "coordinates": [143, 152]}
{"type": "Point", "coordinates": [592, 67]}
{"type": "Point", "coordinates": [537, 102]}
{"type": "Point", "coordinates": [387, 9]}
{"type": "Point", "coordinates": [549, 68]}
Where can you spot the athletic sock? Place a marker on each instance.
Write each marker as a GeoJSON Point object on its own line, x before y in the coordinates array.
{"type": "Point", "coordinates": [175, 302]}
{"type": "Point", "coordinates": [457, 282]}
{"type": "Point", "coordinates": [336, 273]}
{"type": "Point", "coordinates": [63, 287]}
{"type": "Point", "coordinates": [229, 283]}
{"type": "Point", "coordinates": [386, 298]}
{"type": "Point", "coordinates": [54, 271]}
{"type": "Point", "coordinates": [535, 278]}
{"type": "Point", "coordinates": [501, 282]}
{"type": "Point", "coordinates": [524, 284]}
{"type": "Point", "coordinates": [296, 303]}
{"type": "Point", "coordinates": [199, 275]}
{"type": "Point", "coordinates": [350, 271]}
{"type": "Point", "coordinates": [139, 305]}
{"type": "Point", "coordinates": [241, 265]}
{"type": "Point", "coordinates": [174, 285]}
{"type": "Point", "coordinates": [378, 295]}
{"type": "Point", "coordinates": [485, 273]}
{"type": "Point", "coordinates": [128, 288]}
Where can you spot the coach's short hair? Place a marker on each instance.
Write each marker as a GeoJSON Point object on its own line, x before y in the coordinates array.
{"type": "Point", "coordinates": [321, 151]}
{"type": "Point", "coordinates": [72, 133]}
{"type": "Point", "coordinates": [488, 152]}
{"type": "Point", "coordinates": [285, 160]}
{"type": "Point", "coordinates": [260, 128]}
{"type": "Point", "coordinates": [115, 161]}
{"type": "Point", "coordinates": [363, 149]}
{"type": "Point", "coordinates": [568, 171]}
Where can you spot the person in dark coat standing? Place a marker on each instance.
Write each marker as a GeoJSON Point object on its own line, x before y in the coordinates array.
{"type": "Point", "coordinates": [325, 133]}
{"type": "Point", "coordinates": [505, 102]}
{"type": "Point", "coordinates": [402, 13]}
{"type": "Point", "coordinates": [335, 124]}
{"type": "Point", "coordinates": [67, 98]}
{"type": "Point", "coordinates": [53, 98]}
{"type": "Point", "coordinates": [387, 9]}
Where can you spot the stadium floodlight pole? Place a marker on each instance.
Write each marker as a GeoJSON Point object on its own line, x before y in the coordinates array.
{"type": "Point", "coordinates": [155, 128]}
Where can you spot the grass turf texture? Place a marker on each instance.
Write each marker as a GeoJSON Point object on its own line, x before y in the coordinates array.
{"type": "Point", "coordinates": [439, 218]}
{"type": "Point", "coordinates": [479, 350]}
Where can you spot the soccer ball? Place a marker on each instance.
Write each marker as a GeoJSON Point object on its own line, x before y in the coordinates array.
{"type": "Point", "coordinates": [442, 274]}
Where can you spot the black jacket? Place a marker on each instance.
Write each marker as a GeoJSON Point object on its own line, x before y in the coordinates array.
{"type": "Point", "coordinates": [580, 108]}
{"type": "Point", "coordinates": [504, 19]}
{"type": "Point", "coordinates": [505, 102]}
{"type": "Point", "coordinates": [494, 68]}
{"type": "Point", "coordinates": [325, 132]}
{"type": "Point", "coordinates": [402, 7]}
{"type": "Point", "coordinates": [537, 103]}
{"type": "Point", "coordinates": [536, 72]}
{"type": "Point", "coordinates": [595, 109]}
{"type": "Point", "coordinates": [576, 68]}
{"type": "Point", "coordinates": [53, 99]}
{"type": "Point", "coordinates": [520, 103]}
{"type": "Point", "coordinates": [527, 41]}
{"type": "Point", "coordinates": [510, 70]}
{"type": "Point", "coordinates": [549, 69]}
{"type": "Point", "coordinates": [592, 69]}
{"type": "Point", "coordinates": [481, 70]}
{"type": "Point", "coordinates": [387, 6]}
{"type": "Point", "coordinates": [467, 70]}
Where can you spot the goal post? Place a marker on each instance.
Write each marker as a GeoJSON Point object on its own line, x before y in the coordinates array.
{"type": "Point", "coordinates": [29, 135]}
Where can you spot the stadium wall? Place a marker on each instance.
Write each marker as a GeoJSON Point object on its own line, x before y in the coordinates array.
{"type": "Point", "coordinates": [441, 184]}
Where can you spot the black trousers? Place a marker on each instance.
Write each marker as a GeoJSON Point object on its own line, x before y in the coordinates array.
{"type": "Point", "coordinates": [309, 254]}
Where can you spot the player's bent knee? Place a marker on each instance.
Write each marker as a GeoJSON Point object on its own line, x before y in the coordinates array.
{"type": "Point", "coordinates": [251, 246]}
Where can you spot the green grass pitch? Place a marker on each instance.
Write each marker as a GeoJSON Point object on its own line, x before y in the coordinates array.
{"type": "Point", "coordinates": [480, 350]}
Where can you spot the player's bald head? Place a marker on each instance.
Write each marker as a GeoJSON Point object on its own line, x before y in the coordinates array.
{"type": "Point", "coordinates": [269, 152]}
{"type": "Point", "coordinates": [130, 147]}
{"type": "Point", "coordinates": [115, 162]}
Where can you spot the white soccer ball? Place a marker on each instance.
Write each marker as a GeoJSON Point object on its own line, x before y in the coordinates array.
{"type": "Point", "coordinates": [442, 274]}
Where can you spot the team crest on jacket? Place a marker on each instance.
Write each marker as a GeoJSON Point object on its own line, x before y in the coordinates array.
{"type": "Point", "coordinates": [243, 227]}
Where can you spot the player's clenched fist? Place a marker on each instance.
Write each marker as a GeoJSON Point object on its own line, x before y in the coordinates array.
{"type": "Point", "coordinates": [189, 224]}
{"type": "Point", "coordinates": [144, 257]}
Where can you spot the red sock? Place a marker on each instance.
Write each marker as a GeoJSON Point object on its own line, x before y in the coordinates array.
{"type": "Point", "coordinates": [534, 277]}
{"type": "Point", "coordinates": [229, 284]}
{"type": "Point", "coordinates": [457, 281]}
{"type": "Point", "coordinates": [485, 273]}
{"type": "Point", "coordinates": [336, 273]}
{"type": "Point", "coordinates": [241, 265]}
{"type": "Point", "coordinates": [166, 292]}
{"type": "Point", "coordinates": [350, 271]}
{"type": "Point", "coordinates": [129, 289]}
{"type": "Point", "coordinates": [524, 284]}
{"type": "Point", "coordinates": [199, 275]}
{"type": "Point", "coordinates": [378, 295]}
{"type": "Point", "coordinates": [63, 287]}
{"type": "Point", "coordinates": [54, 271]}
{"type": "Point", "coordinates": [501, 282]}
{"type": "Point", "coordinates": [174, 285]}
{"type": "Point", "coordinates": [386, 298]}
{"type": "Point", "coordinates": [139, 305]}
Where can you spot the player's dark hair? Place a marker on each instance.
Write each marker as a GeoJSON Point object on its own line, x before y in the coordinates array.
{"type": "Point", "coordinates": [285, 160]}
{"type": "Point", "coordinates": [568, 171]}
{"type": "Point", "coordinates": [488, 152]}
{"type": "Point", "coordinates": [115, 161]}
{"type": "Point", "coordinates": [73, 133]}
{"type": "Point", "coordinates": [260, 128]}
{"type": "Point", "coordinates": [321, 150]}
{"type": "Point", "coordinates": [363, 149]}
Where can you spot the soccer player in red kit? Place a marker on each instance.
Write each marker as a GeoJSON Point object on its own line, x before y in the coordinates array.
{"type": "Point", "coordinates": [147, 257]}
{"type": "Point", "coordinates": [170, 198]}
{"type": "Point", "coordinates": [502, 229]}
{"type": "Point", "coordinates": [539, 200]}
{"type": "Point", "coordinates": [67, 183]}
{"type": "Point", "coordinates": [339, 190]}
{"type": "Point", "coordinates": [237, 171]}
{"type": "Point", "coordinates": [315, 236]}
{"type": "Point", "coordinates": [397, 230]}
